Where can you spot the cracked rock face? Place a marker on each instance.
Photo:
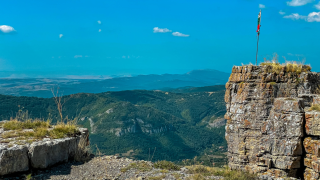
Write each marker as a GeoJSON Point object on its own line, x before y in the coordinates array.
{"type": "Point", "coordinates": [267, 123]}
{"type": "Point", "coordinates": [13, 159]}
{"type": "Point", "coordinates": [40, 154]}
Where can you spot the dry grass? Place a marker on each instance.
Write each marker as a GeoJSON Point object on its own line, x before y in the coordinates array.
{"type": "Point", "coordinates": [315, 108]}
{"type": "Point", "coordinates": [166, 165]}
{"type": "Point", "coordinates": [62, 130]}
{"type": "Point", "coordinates": [293, 67]}
{"type": "Point", "coordinates": [157, 177]}
{"type": "Point", "coordinates": [141, 166]}
{"type": "Point", "coordinates": [200, 172]}
{"type": "Point", "coordinates": [40, 129]}
{"type": "Point", "coordinates": [28, 124]}
{"type": "Point", "coordinates": [273, 66]}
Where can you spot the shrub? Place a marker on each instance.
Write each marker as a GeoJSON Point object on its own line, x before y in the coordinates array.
{"type": "Point", "coordinates": [166, 165]}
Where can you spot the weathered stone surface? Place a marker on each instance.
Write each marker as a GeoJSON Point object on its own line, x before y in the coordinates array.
{"type": "Point", "coordinates": [309, 174]}
{"type": "Point", "coordinates": [312, 145]}
{"type": "Point", "coordinates": [47, 153]}
{"type": "Point", "coordinates": [312, 123]}
{"type": "Point", "coordinates": [267, 122]}
{"type": "Point", "coordinates": [40, 154]}
{"type": "Point", "coordinates": [13, 159]}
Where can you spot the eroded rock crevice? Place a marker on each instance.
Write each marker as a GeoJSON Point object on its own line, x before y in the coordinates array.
{"type": "Point", "coordinates": [270, 129]}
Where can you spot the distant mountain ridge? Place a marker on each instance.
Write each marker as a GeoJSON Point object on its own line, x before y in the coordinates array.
{"type": "Point", "coordinates": [41, 87]}
{"type": "Point", "coordinates": [179, 123]}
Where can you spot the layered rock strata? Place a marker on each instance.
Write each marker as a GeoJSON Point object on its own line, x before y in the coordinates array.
{"type": "Point", "coordinates": [39, 155]}
{"type": "Point", "coordinates": [270, 130]}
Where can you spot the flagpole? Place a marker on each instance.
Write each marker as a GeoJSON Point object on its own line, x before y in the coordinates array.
{"type": "Point", "coordinates": [257, 50]}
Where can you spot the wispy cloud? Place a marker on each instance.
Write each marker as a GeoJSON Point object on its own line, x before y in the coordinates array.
{"type": "Point", "coordinates": [6, 29]}
{"type": "Point", "coordinates": [60, 35]}
{"type": "Point", "coordinates": [159, 30]}
{"type": "Point", "coordinates": [261, 6]}
{"type": "Point", "coordinates": [312, 17]}
{"type": "Point", "coordinates": [281, 12]}
{"type": "Point", "coordinates": [295, 16]}
{"type": "Point", "coordinates": [99, 22]}
{"type": "Point", "coordinates": [317, 6]}
{"type": "Point", "coordinates": [78, 56]}
{"type": "Point", "coordinates": [298, 2]}
{"type": "Point", "coordinates": [180, 34]}
{"type": "Point", "coordinates": [99, 30]}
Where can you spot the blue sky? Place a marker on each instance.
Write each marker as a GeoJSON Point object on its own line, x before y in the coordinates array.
{"type": "Point", "coordinates": [118, 37]}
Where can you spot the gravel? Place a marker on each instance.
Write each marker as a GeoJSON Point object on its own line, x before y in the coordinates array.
{"type": "Point", "coordinates": [105, 167]}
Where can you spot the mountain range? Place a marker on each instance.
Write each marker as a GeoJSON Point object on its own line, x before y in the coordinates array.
{"type": "Point", "coordinates": [172, 124]}
{"type": "Point", "coordinates": [41, 87]}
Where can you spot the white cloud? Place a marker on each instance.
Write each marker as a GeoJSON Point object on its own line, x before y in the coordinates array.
{"type": "Point", "coordinates": [123, 57]}
{"type": "Point", "coordinates": [159, 30]}
{"type": "Point", "coordinates": [6, 29]}
{"type": "Point", "coordinates": [261, 6]}
{"type": "Point", "coordinates": [60, 35]}
{"type": "Point", "coordinates": [281, 12]}
{"type": "Point", "coordinates": [99, 22]}
{"type": "Point", "coordinates": [314, 16]}
{"type": "Point", "coordinates": [298, 2]}
{"type": "Point", "coordinates": [295, 16]}
{"type": "Point", "coordinates": [78, 56]}
{"type": "Point", "coordinates": [317, 6]}
{"type": "Point", "coordinates": [180, 34]}
{"type": "Point", "coordinates": [99, 30]}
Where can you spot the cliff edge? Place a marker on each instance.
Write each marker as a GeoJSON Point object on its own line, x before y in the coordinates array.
{"type": "Point", "coordinates": [272, 128]}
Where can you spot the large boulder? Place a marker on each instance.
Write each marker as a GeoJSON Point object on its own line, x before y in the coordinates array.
{"type": "Point", "coordinates": [13, 159]}
{"type": "Point", "coordinates": [40, 154]}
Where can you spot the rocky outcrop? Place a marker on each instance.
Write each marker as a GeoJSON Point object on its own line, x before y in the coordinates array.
{"type": "Point", "coordinates": [14, 159]}
{"type": "Point", "coordinates": [39, 155]}
{"type": "Point", "coordinates": [269, 128]}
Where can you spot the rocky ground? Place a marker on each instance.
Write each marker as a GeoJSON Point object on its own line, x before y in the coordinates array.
{"type": "Point", "coordinates": [107, 167]}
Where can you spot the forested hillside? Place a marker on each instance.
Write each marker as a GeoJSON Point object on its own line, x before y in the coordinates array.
{"type": "Point", "coordinates": [174, 125]}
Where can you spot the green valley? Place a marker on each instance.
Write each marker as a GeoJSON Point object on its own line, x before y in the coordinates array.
{"type": "Point", "coordinates": [174, 124]}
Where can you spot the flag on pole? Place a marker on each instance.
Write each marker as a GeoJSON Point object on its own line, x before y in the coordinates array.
{"type": "Point", "coordinates": [259, 19]}
{"type": "Point", "coordinates": [258, 31]}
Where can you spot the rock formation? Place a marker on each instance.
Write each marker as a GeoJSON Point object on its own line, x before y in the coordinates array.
{"type": "Point", "coordinates": [270, 128]}
{"type": "Point", "coordinates": [40, 154]}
